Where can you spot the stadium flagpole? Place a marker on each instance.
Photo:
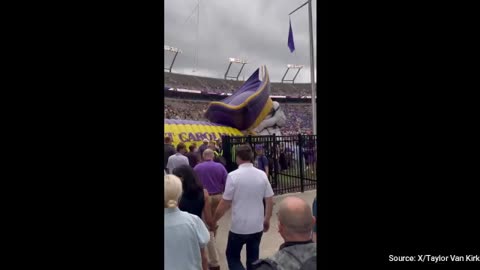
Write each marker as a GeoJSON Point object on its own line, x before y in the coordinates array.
{"type": "Point", "coordinates": [312, 70]}
{"type": "Point", "coordinates": [312, 64]}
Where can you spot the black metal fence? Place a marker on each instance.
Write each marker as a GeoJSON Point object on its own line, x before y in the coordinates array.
{"type": "Point", "coordinates": [292, 159]}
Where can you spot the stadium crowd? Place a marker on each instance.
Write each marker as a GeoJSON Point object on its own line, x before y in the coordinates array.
{"type": "Point", "coordinates": [298, 115]}
{"type": "Point", "coordinates": [197, 195]}
{"type": "Point", "coordinates": [185, 109]}
{"type": "Point", "coordinates": [229, 86]}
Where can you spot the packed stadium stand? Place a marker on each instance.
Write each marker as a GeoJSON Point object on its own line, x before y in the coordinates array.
{"type": "Point", "coordinates": [228, 86]}
{"type": "Point", "coordinates": [298, 115]}
{"type": "Point", "coordinates": [192, 106]}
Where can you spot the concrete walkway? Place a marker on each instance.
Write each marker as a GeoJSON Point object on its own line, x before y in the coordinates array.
{"type": "Point", "coordinates": [271, 240]}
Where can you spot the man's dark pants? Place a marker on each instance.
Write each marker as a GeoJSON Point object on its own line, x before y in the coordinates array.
{"type": "Point", "coordinates": [234, 247]}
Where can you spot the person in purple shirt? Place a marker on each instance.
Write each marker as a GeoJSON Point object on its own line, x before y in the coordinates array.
{"type": "Point", "coordinates": [213, 176]}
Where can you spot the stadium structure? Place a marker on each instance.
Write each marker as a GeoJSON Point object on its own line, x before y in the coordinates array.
{"type": "Point", "coordinates": [187, 98]}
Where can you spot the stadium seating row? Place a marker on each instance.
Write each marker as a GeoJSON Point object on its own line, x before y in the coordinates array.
{"type": "Point", "coordinates": [228, 86]}
{"type": "Point", "coordinates": [298, 117]}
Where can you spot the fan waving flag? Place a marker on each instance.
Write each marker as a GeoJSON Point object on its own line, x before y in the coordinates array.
{"type": "Point", "coordinates": [291, 44]}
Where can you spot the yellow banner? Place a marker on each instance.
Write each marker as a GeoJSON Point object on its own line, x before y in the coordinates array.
{"type": "Point", "coordinates": [189, 134]}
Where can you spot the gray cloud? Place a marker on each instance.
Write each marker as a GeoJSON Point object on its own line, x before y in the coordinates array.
{"type": "Point", "coordinates": [256, 30]}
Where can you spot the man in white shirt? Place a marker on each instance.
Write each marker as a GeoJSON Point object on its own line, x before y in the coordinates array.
{"type": "Point", "coordinates": [244, 192]}
{"type": "Point", "coordinates": [178, 159]}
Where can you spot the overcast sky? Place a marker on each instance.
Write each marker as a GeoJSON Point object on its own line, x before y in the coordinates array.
{"type": "Point", "coordinates": [255, 30]}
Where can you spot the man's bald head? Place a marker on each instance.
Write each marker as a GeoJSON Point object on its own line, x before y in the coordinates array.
{"type": "Point", "coordinates": [295, 216]}
{"type": "Point", "coordinates": [208, 154]}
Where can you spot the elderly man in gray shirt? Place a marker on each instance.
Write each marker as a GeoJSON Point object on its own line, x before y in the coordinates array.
{"type": "Point", "coordinates": [178, 159]}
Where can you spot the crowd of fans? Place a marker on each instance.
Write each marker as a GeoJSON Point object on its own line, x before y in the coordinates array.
{"type": "Point", "coordinates": [185, 109]}
{"type": "Point", "coordinates": [298, 115]}
{"type": "Point", "coordinates": [229, 86]}
{"type": "Point", "coordinates": [198, 195]}
{"type": "Point", "coordinates": [299, 118]}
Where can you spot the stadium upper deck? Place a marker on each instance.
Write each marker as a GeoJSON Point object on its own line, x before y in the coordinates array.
{"type": "Point", "coordinates": [215, 85]}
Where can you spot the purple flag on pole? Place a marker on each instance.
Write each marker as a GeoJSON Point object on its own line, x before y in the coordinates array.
{"type": "Point", "coordinates": [291, 44]}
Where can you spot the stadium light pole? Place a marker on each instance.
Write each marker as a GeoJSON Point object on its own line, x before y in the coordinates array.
{"type": "Point", "coordinates": [174, 50]}
{"type": "Point", "coordinates": [298, 67]}
{"type": "Point", "coordinates": [312, 63]}
{"type": "Point", "coordinates": [232, 61]}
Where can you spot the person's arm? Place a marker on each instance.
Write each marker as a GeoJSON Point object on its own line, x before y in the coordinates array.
{"type": "Point", "coordinates": [207, 211]}
{"type": "Point", "coordinates": [203, 253]}
{"type": "Point", "coordinates": [203, 235]}
{"type": "Point", "coordinates": [268, 213]}
{"type": "Point", "coordinates": [226, 201]}
{"type": "Point", "coordinates": [169, 166]}
{"type": "Point", "coordinates": [268, 205]}
{"type": "Point", "coordinates": [223, 207]}
{"type": "Point", "coordinates": [224, 178]}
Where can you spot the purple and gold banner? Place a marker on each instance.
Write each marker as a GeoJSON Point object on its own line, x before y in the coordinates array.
{"type": "Point", "coordinates": [247, 106]}
{"type": "Point", "coordinates": [187, 131]}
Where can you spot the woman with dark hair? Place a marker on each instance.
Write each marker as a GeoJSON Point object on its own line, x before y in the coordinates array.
{"type": "Point", "coordinates": [194, 200]}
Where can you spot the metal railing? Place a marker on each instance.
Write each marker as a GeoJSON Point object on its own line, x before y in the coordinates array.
{"type": "Point", "coordinates": [292, 159]}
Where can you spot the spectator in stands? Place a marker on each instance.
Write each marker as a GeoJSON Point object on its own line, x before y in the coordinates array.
{"type": "Point", "coordinates": [221, 86]}
{"type": "Point", "coordinates": [192, 155]}
{"type": "Point", "coordinates": [213, 176]}
{"type": "Point", "coordinates": [245, 189]}
{"type": "Point", "coordinates": [168, 150]}
{"type": "Point", "coordinates": [297, 120]}
{"type": "Point", "coordinates": [203, 147]}
{"type": "Point", "coordinates": [295, 226]}
{"type": "Point", "coordinates": [185, 234]}
{"type": "Point", "coordinates": [178, 158]}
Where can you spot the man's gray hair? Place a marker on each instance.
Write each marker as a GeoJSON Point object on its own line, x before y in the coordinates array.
{"type": "Point", "coordinates": [208, 153]}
